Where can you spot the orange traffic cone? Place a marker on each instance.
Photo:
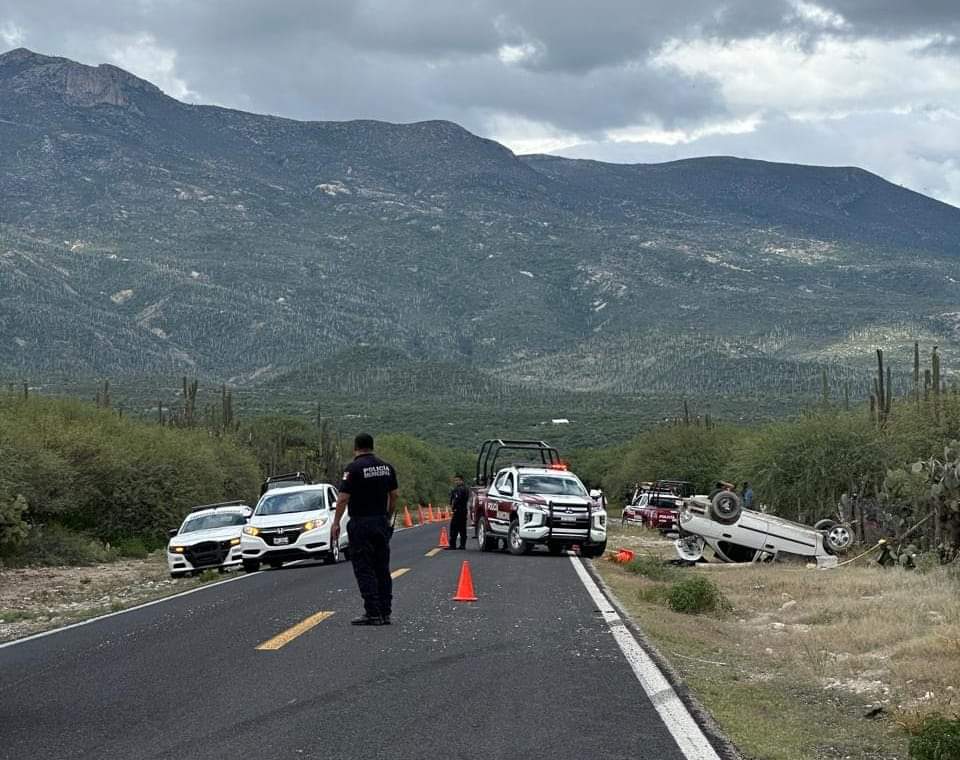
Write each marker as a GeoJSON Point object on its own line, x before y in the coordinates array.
{"type": "Point", "coordinates": [407, 520]}
{"type": "Point", "coordinates": [430, 513]}
{"type": "Point", "coordinates": [465, 591]}
{"type": "Point", "coordinates": [444, 539]}
{"type": "Point", "coordinates": [420, 511]}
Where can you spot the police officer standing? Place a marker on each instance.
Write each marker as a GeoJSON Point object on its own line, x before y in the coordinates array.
{"type": "Point", "coordinates": [458, 508]}
{"type": "Point", "coordinates": [369, 491]}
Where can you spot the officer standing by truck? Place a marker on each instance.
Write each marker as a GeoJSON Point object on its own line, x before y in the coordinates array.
{"type": "Point", "coordinates": [369, 491]}
{"type": "Point", "coordinates": [458, 509]}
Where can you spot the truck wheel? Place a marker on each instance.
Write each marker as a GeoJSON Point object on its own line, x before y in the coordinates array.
{"type": "Point", "coordinates": [515, 544]}
{"type": "Point", "coordinates": [725, 508]}
{"type": "Point", "coordinates": [487, 544]}
{"type": "Point", "coordinates": [594, 551]}
{"type": "Point", "coordinates": [251, 565]}
{"type": "Point", "coordinates": [556, 549]}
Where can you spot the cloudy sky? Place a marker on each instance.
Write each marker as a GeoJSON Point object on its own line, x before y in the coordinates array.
{"type": "Point", "coordinates": [873, 83]}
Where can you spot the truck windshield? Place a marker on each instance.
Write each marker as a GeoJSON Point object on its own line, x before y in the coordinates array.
{"type": "Point", "coordinates": [286, 503]}
{"type": "Point", "coordinates": [551, 484]}
{"type": "Point", "coordinates": [209, 522]}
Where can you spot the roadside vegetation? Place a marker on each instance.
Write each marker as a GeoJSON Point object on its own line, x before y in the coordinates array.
{"type": "Point", "coordinates": [796, 663]}
{"type": "Point", "coordinates": [82, 483]}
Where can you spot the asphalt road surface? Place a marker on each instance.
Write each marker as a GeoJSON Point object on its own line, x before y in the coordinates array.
{"type": "Point", "coordinates": [268, 666]}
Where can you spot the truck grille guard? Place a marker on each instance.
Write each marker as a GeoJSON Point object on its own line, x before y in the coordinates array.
{"type": "Point", "coordinates": [550, 506]}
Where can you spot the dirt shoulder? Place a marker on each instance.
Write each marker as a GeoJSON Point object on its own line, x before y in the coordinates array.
{"type": "Point", "coordinates": [36, 599]}
{"type": "Point", "coordinates": [810, 664]}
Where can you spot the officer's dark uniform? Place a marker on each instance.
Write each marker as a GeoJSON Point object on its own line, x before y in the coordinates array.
{"type": "Point", "coordinates": [369, 480]}
{"type": "Point", "coordinates": [458, 521]}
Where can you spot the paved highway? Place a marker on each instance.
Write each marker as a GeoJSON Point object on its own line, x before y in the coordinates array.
{"type": "Point", "coordinates": [268, 666]}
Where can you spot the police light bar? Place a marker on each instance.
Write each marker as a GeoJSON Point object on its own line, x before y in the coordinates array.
{"type": "Point", "coordinates": [558, 466]}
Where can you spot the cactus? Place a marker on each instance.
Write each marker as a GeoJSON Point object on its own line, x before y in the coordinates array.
{"type": "Point", "coordinates": [916, 372]}
{"type": "Point", "coordinates": [226, 401]}
{"type": "Point", "coordinates": [189, 402]}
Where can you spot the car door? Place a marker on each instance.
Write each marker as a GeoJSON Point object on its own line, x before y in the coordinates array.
{"type": "Point", "coordinates": [500, 501]}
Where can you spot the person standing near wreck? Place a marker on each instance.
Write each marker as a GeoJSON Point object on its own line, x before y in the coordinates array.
{"type": "Point", "coordinates": [369, 492]}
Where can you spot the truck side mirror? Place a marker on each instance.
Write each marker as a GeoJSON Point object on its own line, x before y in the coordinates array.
{"type": "Point", "coordinates": [172, 532]}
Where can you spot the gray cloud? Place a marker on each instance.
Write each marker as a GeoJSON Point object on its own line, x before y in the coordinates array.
{"type": "Point", "coordinates": [569, 71]}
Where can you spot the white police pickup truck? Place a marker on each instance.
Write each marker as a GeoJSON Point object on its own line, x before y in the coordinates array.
{"type": "Point", "coordinates": [208, 538]}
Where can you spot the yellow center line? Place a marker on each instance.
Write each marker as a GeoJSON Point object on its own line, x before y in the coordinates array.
{"type": "Point", "coordinates": [291, 633]}
{"type": "Point", "coordinates": [399, 571]}
{"type": "Point", "coordinates": [433, 552]}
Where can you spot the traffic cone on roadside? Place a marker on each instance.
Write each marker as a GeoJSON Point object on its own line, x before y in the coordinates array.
{"type": "Point", "coordinates": [465, 591]}
{"type": "Point", "coordinates": [444, 539]}
{"type": "Point", "coordinates": [430, 513]}
{"type": "Point", "coordinates": [407, 520]}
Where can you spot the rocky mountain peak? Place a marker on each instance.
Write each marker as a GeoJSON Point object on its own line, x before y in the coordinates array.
{"type": "Point", "coordinates": [27, 72]}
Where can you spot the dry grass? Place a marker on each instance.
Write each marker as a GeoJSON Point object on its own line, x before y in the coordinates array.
{"type": "Point", "coordinates": [35, 599]}
{"type": "Point", "coordinates": [826, 645]}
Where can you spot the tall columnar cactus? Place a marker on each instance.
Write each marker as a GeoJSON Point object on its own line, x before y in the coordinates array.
{"type": "Point", "coordinates": [189, 402]}
{"type": "Point", "coordinates": [935, 381]}
{"type": "Point", "coordinates": [916, 372]}
{"type": "Point", "coordinates": [226, 402]}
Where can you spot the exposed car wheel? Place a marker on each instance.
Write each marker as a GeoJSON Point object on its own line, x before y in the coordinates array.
{"type": "Point", "coordinates": [251, 565]}
{"type": "Point", "coordinates": [725, 508]}
{"type": "Point", "coordinates": [515, 544]}
{"type": "Point", "coordinates": [332, 557]}
{"type": "Point", "coordinates": [837, 537]}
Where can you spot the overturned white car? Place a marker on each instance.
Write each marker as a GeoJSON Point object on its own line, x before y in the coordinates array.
{"type": "Point", "coordinates": [743, 535]}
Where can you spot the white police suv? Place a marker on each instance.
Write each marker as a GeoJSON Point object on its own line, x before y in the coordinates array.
{"type": "Point", "coordinates": [208, 538]}
{"type": "Point", "coordinates": [293, 523]}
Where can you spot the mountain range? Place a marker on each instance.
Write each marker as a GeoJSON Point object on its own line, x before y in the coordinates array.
{"type": "Point", "coordinates": [140, 235]}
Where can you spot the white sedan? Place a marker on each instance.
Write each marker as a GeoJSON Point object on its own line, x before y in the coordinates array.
{"type": "Point", "coordinates": [292, 524]}
{"type": "Point", "coordinates": [208, 538]}
{"type": "Point", "coordinates": [742, 535]}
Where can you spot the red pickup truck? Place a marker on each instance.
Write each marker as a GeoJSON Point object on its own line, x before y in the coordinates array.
{"type": "Point", "coordinates": [534, 503]}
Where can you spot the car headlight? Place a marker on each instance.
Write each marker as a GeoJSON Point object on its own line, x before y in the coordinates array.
{"type": "Point", "coordinates": [251, 530]}
{"type": "Point", "coordinates": [314, 524]}
{"type": "Point", "coordinates": [234, 541]}
{"type": "Point", "coordinates": [177, 549]}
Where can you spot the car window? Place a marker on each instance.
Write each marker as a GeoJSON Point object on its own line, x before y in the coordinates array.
{"type": "Point", "coordinates": [286, 503]}
{"type": "Point", "coordinates": [507, 484]}
{"type": "Point", "coordinates": [669, 502]}
{"type": "Point", "coordinates": [501, 480]}
{"type": "Point", "coordinates": [552, 485]}
{"type": "Point", "coordinates": [209, 522]}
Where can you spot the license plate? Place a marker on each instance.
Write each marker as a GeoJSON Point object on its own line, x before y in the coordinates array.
{"type": "Point", "coordinates": [281, 540]}
{"type": "Point", "coordinates": [568, 518]}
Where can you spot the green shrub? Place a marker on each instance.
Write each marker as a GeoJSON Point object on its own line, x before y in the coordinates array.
{"type": "Point", "coordinates": [653, 568]}
{"type": "Point", "coordinates": [697, 595]}
{"type": "Point", "coordinates": [654, 593]}
{"type": "Point", "coordinates": [57, 545]}
{"type": "Point", "coordinates": [938, 739]}
{"type": "Point", "coordinates": [134, 548]}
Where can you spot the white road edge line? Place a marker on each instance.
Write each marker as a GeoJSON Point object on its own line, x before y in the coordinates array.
{"type": "Point", "coordinates": [678, 720]}
{"type": "Point", "coordinates": [161, 600]}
